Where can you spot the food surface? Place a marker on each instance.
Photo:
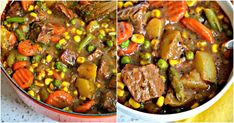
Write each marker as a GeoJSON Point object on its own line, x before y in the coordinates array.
{"type": "Point", "coordinates": [62, 53]}
{"type": "Point", "coordinates": [170, 54]}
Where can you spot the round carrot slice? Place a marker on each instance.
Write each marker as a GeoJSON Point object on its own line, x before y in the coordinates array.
{"type": "Point", "coordinates": [85, 107]}
{"type": "Point", "coordinates": [125, 31]}
{"type": "Point", "coordinates": [20, 64]}
{"type": "Point", "coordinates": [23, 77]}
{"type": "Point", "coordinates": [60, 99]}
{"type": "Point", "coordinates": [26, 48]}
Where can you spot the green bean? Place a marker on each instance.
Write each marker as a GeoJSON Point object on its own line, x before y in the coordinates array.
{"type": "Point", "coordinates": [16, 19]}
{"type": "Point", "coordinates": [212, 19]}
{"type": "Point", "coordinates": [125, 44]}
{"type": "Point", "coordinates": [20, 34]}
{"type": "Point", "coordinates": [85, 42]}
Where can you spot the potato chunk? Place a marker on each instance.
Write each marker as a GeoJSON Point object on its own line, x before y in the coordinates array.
{"type": "Point", "coordinates": [88, 71]}
{"type": "Point", "coordinates": [154, 28]}
{"type": "Point", "coordinates": [85, 87]}
{"type": "Point", "coordinates": [205, 65]}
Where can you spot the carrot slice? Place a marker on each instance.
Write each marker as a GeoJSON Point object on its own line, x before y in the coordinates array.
{"type": "Point", "coordinates": [125, 31]}
{"type": "Point", "coordinates": [20, 64]}
{"type": "Point", "coordinates": [56, 75]}
{"type": "Point", "coordinates": [85, 107]}
{"type": "Point", "coordinates": [58, 29]}
{"type": "Point", "coordinates": [23, 77]}
{"type": "Point", "coordinates": [26, 48]}
{"type": "Point", "coordinates": [131, 48]}
{"type": "Point", "coordinates": [25, 4]}
{"type": "Point", "coordinates": [60, 99]}
{"type": "Point", "coordinates": [55, 39]}
{"type": "Point", "coordinates": [198, 28]}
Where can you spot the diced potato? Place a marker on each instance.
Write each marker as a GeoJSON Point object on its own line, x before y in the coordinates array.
{"type": "Point", "coordinates": [170, 47]}
{"type": "Point", "coordinates": [154, 28]}
{"type": "Point", "coordinates": [85, 87]}
{"type": "Point", "coordinates": [205, 65]}
{"type": "Point", "coordinates": [88, 71]}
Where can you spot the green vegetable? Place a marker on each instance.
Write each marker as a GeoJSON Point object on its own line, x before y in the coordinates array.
{"type": "Point", "coordinates": [146, 56]}
{"type": "Point", "coordinates": [57, 83]}
{"type": "Point", "coordinates": [73, 21]}
{"type": "Point", "coordinates": [125, 60]}
{"type": "Point", "coordinates": [36, 58]}
{"type": "Point", "coordinates": [58, 46]}
{"type": "Point", "coordinates": [16, 19]}
{"type": "Point", "coordinates": [212, 19]}
{"type": "Point", "coordinates": [162, 64]}
{"type": "Point", "coordinates": [189, 55]}
{"type": "Point", "coordinates": [100, 36]}
{"type": "Point", "coordinates": [90, 48]}
{"type": "Point", "coordinates": [20, 57]}
{"type": "Point", "coordinates": [85, 41]}
{"type": "Point", "coordinates": [20, 34]}
{"type": "Point", "coordinates": [125, 44]}
{"type": "Point", "coordinates": [109, 43]}
{"type": "Point", "coordinates": [146, 44]}
{"type": "Point", "coordinates": [60, 66]}
{"type": "Point", "coordinates": [43, 94]}
{"type": "Point", "coordinates": [11, 58]}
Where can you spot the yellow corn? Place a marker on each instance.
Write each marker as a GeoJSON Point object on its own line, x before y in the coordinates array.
{"type": "Point", "coordinates": [112, 33]}
{"type": "Point", "coordinates": [48, 81]}
{"type": "Point", "coordinates": [35, 65]}
{"type": "Point", "coordinates": [65, 84]}
{"type": "Point", "coordinates": [38, 98]}
{"type": "Point", "coordinates": [38, 84]}
{"type": "Point", "coordinates": [66, 109]}
{"type": "Point", "coordinates": [118, 75]}
{"type": "Point", "coordinates": [114, 71]}
{"type": "Point", "coordinates": [160, 101]}
{"type": "Point", "coordinates": [214, 48]}
{"type": "Point", "coordinates": [78, 32]}
{"type": "Point", "coordinates": [76, 38]}
{"type": "Point", "coordinates": [51, 86]}
{"type": "Point", "coordinates": [8, 25]}
{"type": "Point", "coordinates": [75, 92]}
{"type": "Point", "coordinates": [31, 8]}
{"type": "Point", "coordinates": [65, 89]}
{"type": "Point", "coordinates": [138, 38]}
{"type": "Point", "coordinates": [80, 60]}
{"type": "Point", "coordinates": [33, 14]}
{"type": "Point", "coordinates": [163, 78]}
{"type": "Point", "coordinates": [201, 44]}
{"type": "Point", "coordinates": [191, 3]}
{"type": "Point", "coordinates": [98, 85]}
{"type": "Point", "coordinates": [198, 9]}
{"type": "Point", "coordinates": [186, 14]}
{"type": "Point", "coordinates": [40, 49]}
{"type": "Point", "coordinates": [50, 72]}
{"type": "Point", "coordinates": [185, 35]}
{"type": "Point", "coordinates": [62, 75]}
{"type": "Point", "coordinates": [65, 34]}
{"type": "Point", "coordinates": [41, 75]}
{"type": "Point", "coordinates": [120, 92]}
{"type": "Point", "coordinates": [36, 7]}
{"type": "Point", "coordinates": [31, 93]}
{"type": "Point", "coordinates": [128, 4]}
{"type": "Point", "coordinates": [43, 61]}
{"type": "Point", "coordinates": [82, 23]}
{"type": "Point", "coordinates": [220, 17]}
{"type": "Point", "coordinates": [49, 12]}
{"type": "Point", "coordinates": [73, 30]}
{"type": "Point", "coordinates": [31, 69]}
{"type": "Point", "coordinates": [62, 41]}
{"type": "Point", "coordinates": [154, 43]}
{"type": "Point", "coordinates": [104, 25]}
{"type": "Point", "coordinates": [144, 62]}
{"type": "Point", "coordinates": [102, 32]}
{"type": "Point", "coordinates": [67, 37]}
{"type": "Point", "coordinates": [120, 5]}
{"type": "Point", "coordinates": [134, 104]}
{"type": "Point", "coordinates": [156, 13]}
{"type": "Point", "coordinates": [50, 91]}
{"type": "Point", "coordinates": [173, 62]}
{"type": "Point", "coordinates": [48, 58]}
{"type": "Point", "coordinates": [120, 85]}
{"type": "Point", "coordinates": [194, 105]}
{"type": "Point", "coordinates": [82, 98]}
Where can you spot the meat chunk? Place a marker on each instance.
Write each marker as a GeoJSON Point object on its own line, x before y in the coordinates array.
{"type": "Point", "coordinates": [144, 83]}
{"type": "Point", "coordinates": [96, 54]}
{"type": "Point", "coordinates": [112, 83]}
{"type": "Point", "coordinates": [109, 100]}
{"type": "Point", "coordinates": [137, 14]}
{"type": "Point", "coordinates": [45, 35]}
{"type": "Point", "coordinates": [69, 57]}
{"type": "Point", "coordinates": [67, 12]}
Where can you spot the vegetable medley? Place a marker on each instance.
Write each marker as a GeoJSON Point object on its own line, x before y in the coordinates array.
{"type": "Point", "coordinates": [62, 54]}
{"type": "Point", "coordinates": [170, 54]}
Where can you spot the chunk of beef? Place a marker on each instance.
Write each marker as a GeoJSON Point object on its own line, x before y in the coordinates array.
{"type": "Point", "coordinates": [68, 57]}
{"type": "Point", "coordinates": [109, 100]}
{"type": "Point", "coordinates": [96, 54]}
{"type": "Point", "coordinates": [66, 11]}
{"type": "Point", "coordinates": [112, 83]}
{"type": "Point", "coordinates": [137, 14]}
{"type": "Point", "coordinates": [144, 83]}
{"type": "Point", "coordinates": [14, 9]}
{"type": "Point", "coordinates": [45, 35]}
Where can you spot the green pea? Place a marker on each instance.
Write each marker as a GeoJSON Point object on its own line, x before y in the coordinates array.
{"type": "Point", "coordinates": [125, 44]}
{"type": "Point", "coordinates": [58, 46]}
{"type": "Point", "coordinates": [125, 60]}
{"type": "Point", "coordinates": [100, 36]}
{"type": "Point", "coordinates": [90, 48]}
{"type": "Point", "coordinates": [57, 83]}
{"type": "Point", "coordinates": [162, 64]}
{"type": "Point", "coordinates": [146, 56]}
{"type": "Point", "coordinates": [73, 21]}
{"type": "Point", "coordinates": [60, 66]}
{"type": "Point", "coordinates": [36, 58]}
{"type": "Point", "coordinates": [146, 44]}
{"type": "Point", "coordinates": [189, 55]}
{"type": "Point", "coordinates": [109, 43]}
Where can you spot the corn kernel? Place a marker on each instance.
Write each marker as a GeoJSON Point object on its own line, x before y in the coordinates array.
{"type": "Point", "coordinates": [62, 75]}
{"type": "Point", "coordinates": [198, 9]}
{"type": "Point", "coordinates": [62, 41]}
{"type": "Point", "coordinates": [50, 72]}
{"type": "Point", "coordinates": [65, 34]}
{"type": "Point", "coordinates": [104, 25]}
{"type": "Point", "coordinates": [51, 86]}
{"type": "Point", "coordinates": [118, 75]}
{"type": "Point", "coordinates": [163, 78]}
{"type": "Point", "coordinates": [75, 92]}
{"type": "Point", "coordinates": [201, 44]}
{"type": "Point", "coordinates": [112, 33]}
{"type": "Point", "coordinates": [154, 43]}
{"type": "Point", "coordinates": [214, 48]}
{"type": "Point", "coordinates": [31, 8]}
{"type": "Point", "coordinates": [82, 98]}
{"type": "Point", "coordinates": [120, 85]}
{"type": "Point", "coordinates": [138, 38]}
{"type": "Point", "coordinates": [50, 91]}
{"type": "Point", "coordinates": [156, 13]}
{"type": "Point", "coordinates": [40, 49]}
{"type": "Point", "coordinates": [194, 105]}
{"type": "Point", "coordinates": [38, 98]}
{"type": "Point", "coordinates": [134, 104]}
{"type": "Point", "coordinates": [67, 37]}
{"type": "Point", "coordinates": [185, 35]}
{"type": "Point", "coordinates": [128, 4]}
{"type": "Point", "coordinates": [78, 32]}
{"type": "Point", "coordinates": [35, 65]}
{"type": "Point", "coordinates": [102, 32]}
{"type": "Point", "coordinates": [220, 17]}
{"type": "Point", "coordinates": [66, 109]}
{"type": "Point", "coordinates": [65, 84]}
{"type": "Point", "coordinates": [80, 60]}
{"type": "Point", "coordinates": [65, 89]}
{"type": "Point", "coordinates": [33, 14]}
{"type": "Point", "coordinates": [49, 12]}
{"type": "Point", "coordinates": [31, 93]}
{"type": "Point", "coordinates": [36, 7]}
{"type": "Point", "coordinates": [41, 75]}
{"type": "Point", "coordinates": [39, 84]}
{"type": "Point", "coordinates": [48, 58]}
{"type": "Point", "coordinates": [31, 69]}
{"type": "Point", "coordinates": [191, 3]}
{"type": "Point", "coordinates": [120, 5]}
{"type": "Point", "coordinates": [76, 38]}
{"type": "Point", "coordinates": [120, 92]}
{"type": "Point", "coordinates": [8, 25]}
{"type": "Point", "coordinates": [160, 101]}
{"type": "Point", "coordinates": [186, 14]}
{"type": "Point", "coordinates": [48, 81]}
{"type": "Point", "coordinates": [173, 62]}
{"type": "Point", "coordinates": [82, 23]}
{"type": "Point", "coordinates": [73, 30]}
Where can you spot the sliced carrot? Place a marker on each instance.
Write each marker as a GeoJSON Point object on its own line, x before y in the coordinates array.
{"type": "Point", "coordinates": [85, 107]}
{"type": "Point", "coordinates": [26, 48]}
{"type": "Point", "coordinates": [25, 4]}
{"type": "Point", "coordinates": [125, 31]}
{"type": "Point", "coordinates": [55, 39]}
{"type": "Point", "coordinates": [23, 77]}
{"type": "Point", "coordinates": [198, 28]}
{"type": "Point", "coordinates": [60, 99]}
{"type": "Point", "coordinates": [20, 64]}
{"type": "Point", "coordinates": [56, 75]}
{"type": "Point", "coordinates": [131, 48]}
{"type": "Point", "coordinates": [58, 29]}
